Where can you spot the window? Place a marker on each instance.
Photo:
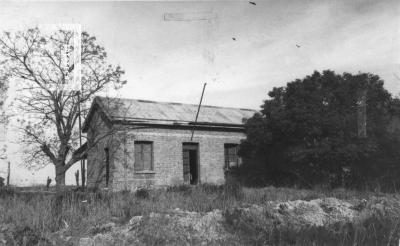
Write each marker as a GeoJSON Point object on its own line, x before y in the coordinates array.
{"type": "Point", "coordinates": [231, 155]}
{"type": "Point", "coordinates": [143, 156]}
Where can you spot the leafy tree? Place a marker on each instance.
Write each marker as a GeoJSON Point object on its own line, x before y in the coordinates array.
{"type": "Point", "coordinates": [36, 59]}
{"type": "Point", "coordinates": [306, 132]}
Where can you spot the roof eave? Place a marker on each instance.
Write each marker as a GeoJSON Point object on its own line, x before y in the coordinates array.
{"type": "Point", "coordinates": [182, 125]}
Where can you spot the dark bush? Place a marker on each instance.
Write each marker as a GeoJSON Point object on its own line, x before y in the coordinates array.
{"type": "Point", "coordinates": [142, 193]}
{"type": "Point", "coordinates": [6, 192]}
{"type": "Point", "coordinates": [308, 134]}
{"type": "Point", "coordinates": [184, 189]}
{"type": "Point", "coordinates": [232, 187]}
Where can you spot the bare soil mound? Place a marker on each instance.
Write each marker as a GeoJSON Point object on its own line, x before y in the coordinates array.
{"type": "Point", "coordinates": [178, 227]}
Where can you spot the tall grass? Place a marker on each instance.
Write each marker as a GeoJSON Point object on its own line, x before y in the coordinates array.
{"type": "Point", "coordinates": [77, 212]}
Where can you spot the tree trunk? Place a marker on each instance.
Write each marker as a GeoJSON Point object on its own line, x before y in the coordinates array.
{"type": "Point", "coordinates": [60, 176]}
{"type": "Point", "coordinates": [8, 174]}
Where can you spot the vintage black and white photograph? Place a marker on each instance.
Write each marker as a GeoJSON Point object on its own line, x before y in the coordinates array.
{"type": "Point", "coordinates": [208, 122]}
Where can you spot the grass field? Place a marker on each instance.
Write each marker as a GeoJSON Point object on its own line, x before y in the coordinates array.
{"type": "Point", "coordinates": [76, 212]}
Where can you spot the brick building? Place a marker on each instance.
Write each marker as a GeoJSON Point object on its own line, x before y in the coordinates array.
{"type": "Point", "coordinates": [135, 143]}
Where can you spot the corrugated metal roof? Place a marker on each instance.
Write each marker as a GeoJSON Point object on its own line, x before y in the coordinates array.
{"type": "Point", "coordinates": [131, 109]}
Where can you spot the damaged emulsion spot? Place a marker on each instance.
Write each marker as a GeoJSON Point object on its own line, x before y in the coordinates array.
{"type": "Point", "coordinates": [209, 18]}
{"type": "Point", "coordinates": [190, 16]}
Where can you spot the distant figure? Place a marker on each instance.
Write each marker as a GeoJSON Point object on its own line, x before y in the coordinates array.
{"type": "Point", "coordinates": [48, 183]}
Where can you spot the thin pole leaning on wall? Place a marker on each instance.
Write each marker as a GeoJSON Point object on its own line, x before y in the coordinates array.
{"type": "Point", "coordinates": [198, 110]}
{"type": "Point", "coordinates": [80, 140]}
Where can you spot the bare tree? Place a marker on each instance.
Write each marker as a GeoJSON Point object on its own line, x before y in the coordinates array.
{"type": "Point", "coordinates": [4, 75]}
{"type": "Point", "coordinates": [36, 59]}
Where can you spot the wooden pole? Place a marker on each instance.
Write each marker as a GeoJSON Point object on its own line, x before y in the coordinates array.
{"type": "Point", "coordinates": [198, 110]}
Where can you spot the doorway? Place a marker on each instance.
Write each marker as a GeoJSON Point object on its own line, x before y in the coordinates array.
{"type": "Point", "coordinates": [107, 166]}
{"type": "Point", "coordinates": [190, 163]}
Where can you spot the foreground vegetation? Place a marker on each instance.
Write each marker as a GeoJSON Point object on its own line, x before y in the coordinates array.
{"type": "Point", "coordinates": [39, 214]}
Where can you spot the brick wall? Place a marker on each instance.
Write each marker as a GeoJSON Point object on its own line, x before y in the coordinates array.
{"type": "Point", "coordinates": [167, 155]}
{"type": "Point", "coordinates": [168, 159]}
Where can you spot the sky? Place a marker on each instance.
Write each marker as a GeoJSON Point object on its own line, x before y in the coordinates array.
{"type": "Point", "coordinates": [241, 51]}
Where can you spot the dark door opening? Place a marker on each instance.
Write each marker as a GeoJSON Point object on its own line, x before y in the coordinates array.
{"type": "Point", "coordinates": [190, 163]}
{"type": "Point", "coordinates": [107, 166]}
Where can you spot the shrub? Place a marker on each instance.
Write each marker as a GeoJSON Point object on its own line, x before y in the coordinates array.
{"type": "Point", "coordinates": [232, 187]}
{"type": "Point", "coordinates": [142, 193]}
{"type": "Point", "coordinates": [184, 189]}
